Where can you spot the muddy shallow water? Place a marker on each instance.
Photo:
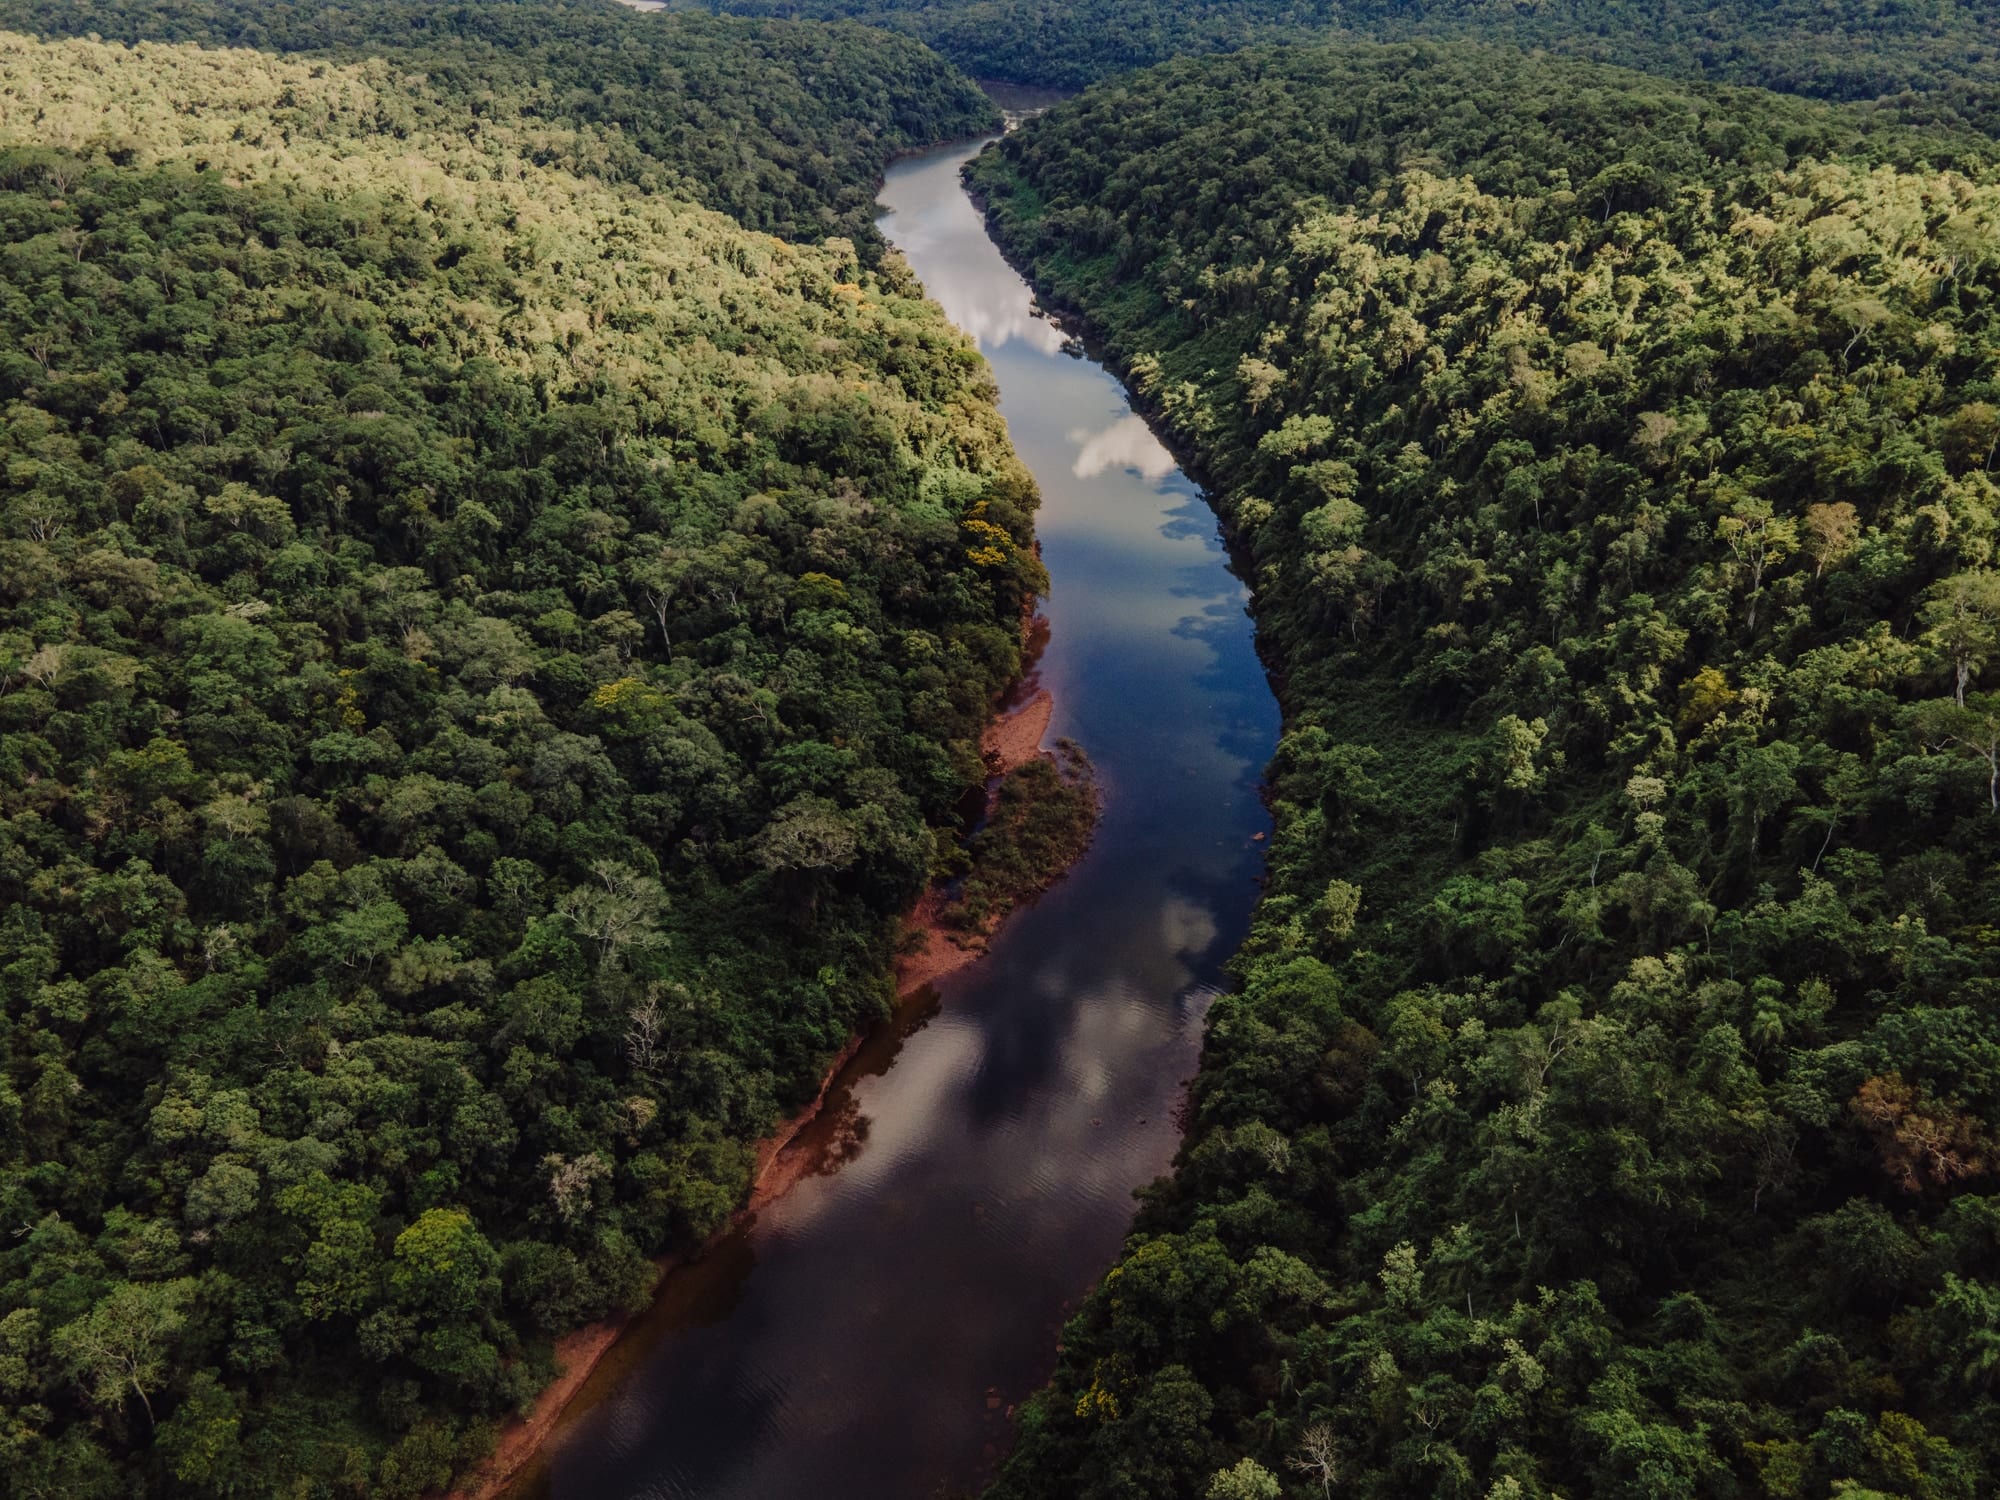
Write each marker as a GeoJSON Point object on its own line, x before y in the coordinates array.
{"type": "Point", "coordinates": [868, 1334]}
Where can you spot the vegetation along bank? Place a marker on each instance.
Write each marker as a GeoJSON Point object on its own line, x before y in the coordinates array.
{"type": "Point", "coordinates": [488, 652]}
{"type": "Point", "coordinates": [1604, 1110]}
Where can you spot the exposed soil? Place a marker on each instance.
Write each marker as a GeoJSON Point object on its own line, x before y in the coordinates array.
{"type": "Point", "coordinates": [1016, 738]}
{"type": "Point", "coordinates": [578, 1353]}
{"type": "Point", "coordinates": [1012, 740]}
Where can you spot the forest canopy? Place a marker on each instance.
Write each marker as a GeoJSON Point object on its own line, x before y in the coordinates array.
{"type": "Point", "coordinates": [1946, 55]}
{"type": "Point", "coordinates": [1609, 1107]}
{"type": "Point", "coordinates": [487, 652]}
{"type": "Point", "coordinates": [783, 126]}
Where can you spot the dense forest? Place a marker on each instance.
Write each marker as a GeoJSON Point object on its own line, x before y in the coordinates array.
{"type": "Point", "coordinates": [503, 573]}
{"type": "Point", "coordinates": [1609, 1106]}
{"type": "Point", "coordinates": [486, 654]}
{"type": "Point", "coordinates": [1948, 52]}
{"type": "Point", "coordinates": [783, 126]}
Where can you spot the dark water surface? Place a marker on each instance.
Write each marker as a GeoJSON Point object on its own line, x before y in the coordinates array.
{"type": "Point", "coordinates": [867, 1335]}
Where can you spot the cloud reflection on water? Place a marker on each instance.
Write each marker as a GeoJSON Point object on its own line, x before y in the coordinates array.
{"type": "Point", "coordinates": [897, 1307]}
{"type": "Point", "coordinates": [995, 307]}
{"type": "Point", "coordinates": [1127, 443]}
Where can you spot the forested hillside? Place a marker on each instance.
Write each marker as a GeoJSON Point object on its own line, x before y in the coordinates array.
{"type": "Point", "coordinates": [1610, 1104]}
{"type": "Point", "coordinates": [1948, 52]}
{"type": "Point", "coordinates": [483, 653]}
{"type": "Point", "coordinates": [783, 126]}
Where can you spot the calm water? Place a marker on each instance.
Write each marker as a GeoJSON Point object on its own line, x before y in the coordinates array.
{"type": "Point", "coordinates": [868, 1335]}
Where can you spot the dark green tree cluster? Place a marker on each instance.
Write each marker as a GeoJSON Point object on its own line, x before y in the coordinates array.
{"type": "Point", "coordinates": [783, 126]}
{"type": "Point", "coordinates": [486, 654]}
{"type": "Point", "coordinates": [1040, 821]}
{"type": "Point", "coordinates": [1944, 56]}
{"type": "Point", "coordinates": [1611, 1105]}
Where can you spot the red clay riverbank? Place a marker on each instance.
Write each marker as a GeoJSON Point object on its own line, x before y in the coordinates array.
{"type": "Point", "coordinates": [1012, 740]}
{"type": "Point", "coordinates": [578, 1354]}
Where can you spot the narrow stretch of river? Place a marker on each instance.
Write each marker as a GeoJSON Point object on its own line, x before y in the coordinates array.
{"type": "Point", "coordinates": [867, 1336]}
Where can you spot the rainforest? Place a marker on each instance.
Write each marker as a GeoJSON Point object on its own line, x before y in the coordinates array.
{"type": "Point", "coordinates": [532, 610]}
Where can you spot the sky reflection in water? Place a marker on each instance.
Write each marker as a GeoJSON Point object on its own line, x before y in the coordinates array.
{"type": "Point", "coordinates": [867, 1335]}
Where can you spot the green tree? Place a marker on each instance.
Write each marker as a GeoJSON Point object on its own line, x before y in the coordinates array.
{"type": "Point", "coordinates": [442, 1265]}
{"type": "Point", "coordinates": [1961, 617]}
{"type": "Point", "coordinates": [124, 1345]}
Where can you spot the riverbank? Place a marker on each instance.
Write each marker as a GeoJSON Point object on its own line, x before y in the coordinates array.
{"type": "Point", "coordinates": [578, 1354]}
{"type": "Point", "coordinates": [970, 1170]}
{"type": "Point", "coordinates": [935, 948]}
{"type": "Point", "coordinates": [1012, 740]}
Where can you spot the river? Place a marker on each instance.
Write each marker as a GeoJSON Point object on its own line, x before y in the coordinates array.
{"type": "Point", "coordinates": [868, 1334]}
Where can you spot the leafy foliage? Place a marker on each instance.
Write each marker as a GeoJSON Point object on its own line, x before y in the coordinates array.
{"type": "Point", "coordinates": [1944, 57]}
{"type": "Point", "coordinates": [483, 652]}
{"type": "Point", "coordinates": [1608, 1107]}
{"type": "Point", "coordinates": [783, 126]}
{"type": "Point", "coordinates": [1041, 819]}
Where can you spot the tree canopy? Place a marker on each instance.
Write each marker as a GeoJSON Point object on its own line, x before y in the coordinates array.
{"type": "Point", "coordinates": [487, 652]}
{"type": "Point", "coordinates": [1940, 61]}
{"type": "Point", "coordinates": [1609, 1105]}
{"type": "Point", "coordinates": [783, 126]}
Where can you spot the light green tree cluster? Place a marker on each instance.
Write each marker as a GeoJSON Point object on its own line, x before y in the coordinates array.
{"type": "Point", "coordinates": [783, 125]}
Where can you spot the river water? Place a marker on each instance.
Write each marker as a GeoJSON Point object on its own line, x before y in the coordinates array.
{"type": "Point", "coordinates": [867, 1336]}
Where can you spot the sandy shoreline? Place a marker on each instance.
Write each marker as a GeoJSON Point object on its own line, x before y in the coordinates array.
{"type": "Point", "coordinates": [1010, 741]}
